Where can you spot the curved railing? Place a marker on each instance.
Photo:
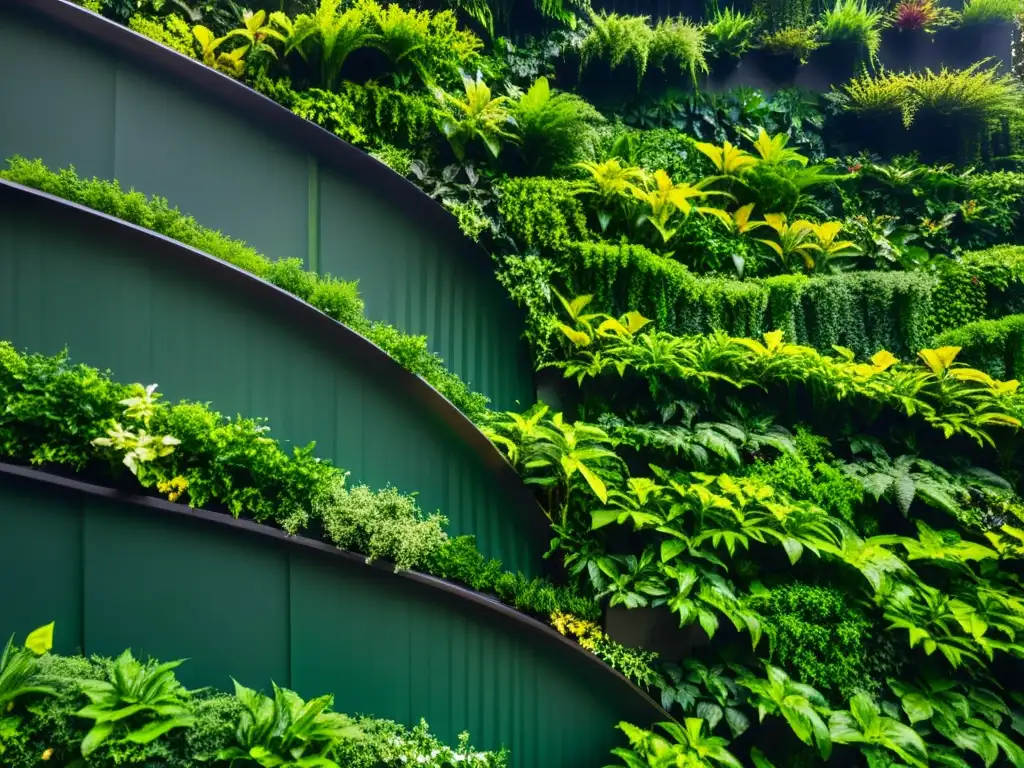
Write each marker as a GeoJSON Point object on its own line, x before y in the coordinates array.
{"type": "Point", "coordinates": [81, 90]}
{"type": "Point", "coordinates": [154, 310]}
{"type": "Point", "coordinates": [116, 570]}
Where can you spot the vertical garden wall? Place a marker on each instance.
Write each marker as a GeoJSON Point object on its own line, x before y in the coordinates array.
{"type": "Point", "coordinates": [122, 108]}
{"type": "Point", "coordinates": [776, 497]}
{"type": "Point", "coordinates": [245, 601]}
{"type": "Point", "coordinates": [152, 310]}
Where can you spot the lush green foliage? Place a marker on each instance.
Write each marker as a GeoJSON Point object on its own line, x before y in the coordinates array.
{"type": "Point", "coordinates": [125, 712]}
{"type": "Point", "coordinates": [972, 94]}
{"type": "Point", "coordinates": [835, 521]}
{"type": "Point", "coordinates": [853, 21]}
{"type": "Point", "coordinates": [336, 298]}
{"type": "Point", "coordinates": [59, 414]}
{"type": "Point", "coordinates": [989, 12]}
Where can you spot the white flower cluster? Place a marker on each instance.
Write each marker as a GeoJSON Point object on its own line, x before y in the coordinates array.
{"type": "Point", "coordinates": [409, 752]}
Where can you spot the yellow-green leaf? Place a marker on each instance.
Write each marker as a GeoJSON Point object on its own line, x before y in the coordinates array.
{"type": "Point", "coordinates": [578, 338]}
{"type": "Point", "coordinates": [939, 359]}
{"type": "Point", "coordinates": [884, 359]}
{"type": "Point", "coordinates": [41, 640]}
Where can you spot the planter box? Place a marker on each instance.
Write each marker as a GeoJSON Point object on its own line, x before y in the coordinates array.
{"type": "Point", "coordinates": [954, 48]}
{"type": "Point", "coordinates": [654, 629]}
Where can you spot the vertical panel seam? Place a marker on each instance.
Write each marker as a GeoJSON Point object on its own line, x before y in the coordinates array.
{"type": "Point", "coordinates": [313, 214]}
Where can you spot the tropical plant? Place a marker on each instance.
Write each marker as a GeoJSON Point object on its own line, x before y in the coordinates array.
{"type": "Point", "coordinates": [730, 32]}
{"type": "Point", "coordinates": [287, 731]}
{"type": "Point", "coordinates": [729, 160]}
{"type": "Point", "coordinates": [865, 724]}
{"type": "Point", "coordinates": [327, 37]}
{"type": "Point", "coordinates": [612, 184]}
{"type": "Point", "coordinates": [773, 150]}
{"type": "Point", "coordinates": [801, 705]}
{"type": "Point", "coordinates": [853, 21]}
{"type": "Point", "coordinates": [19, 668]}
{"type": "Point", "coordinates": [554, 128]}
{"type": "Point", "coordinates": [686, 745]}
{"type": "Point", "coordinates": [794, 240]}
{"type": "Point", "coordinates": [478, 116]}
{"type": "Point", "coordinates": [709, 693]}
{"type": "Point", "coordinates": [231, 62]}
{"type": "Point", "coordinates": [923, 15]}
{"type": "Point", "coordinates": [907, 478]}
{"type": "Point", "coordinates": [138, 703]}
{"type": "Point", "coordinates": [258, 33]}
{"type": "Point", "coordinates": [662, 199]}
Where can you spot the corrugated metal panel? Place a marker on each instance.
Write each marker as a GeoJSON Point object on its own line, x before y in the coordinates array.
{"type": "Point", "coordinates": [223, 167]}
{"type": "Point", "coordinates": [71, 279]}
{"type": "Point", "coordinates": [241, 604]}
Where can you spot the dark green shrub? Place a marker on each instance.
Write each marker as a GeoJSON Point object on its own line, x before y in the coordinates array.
{"type": "Point", "coordinates": [672, 151]}
{"type": "Point", "coordinates": [819, 635]}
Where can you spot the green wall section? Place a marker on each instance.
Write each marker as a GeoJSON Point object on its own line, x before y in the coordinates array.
{"type": "Point", "coordinates": [72, 279]}
{"type": "Point", "coordinates": [74, 102]}
{"type": "Point", "coordinates": [113, 574]}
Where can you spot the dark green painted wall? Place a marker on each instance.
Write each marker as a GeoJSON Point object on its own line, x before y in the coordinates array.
{"type": "Point", "coordinates": [115, 575]}
{"type": "Point", "coordinates": [69, 101]}
{"type": "Point", "coordinates": [72, 279]}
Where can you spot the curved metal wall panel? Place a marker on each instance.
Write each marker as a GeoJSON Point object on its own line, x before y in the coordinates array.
{"type": "Point", "coordinates": [121, 299]}
{"type": "Point", "coordinates": [114, 574]}
{"type": "Point", "coordinates": [77, 101]}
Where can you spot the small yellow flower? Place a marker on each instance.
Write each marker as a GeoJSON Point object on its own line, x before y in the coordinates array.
{"type": "Point", "coordinates": [48, 754]}
{"type": "Point", "coordinates": [173, 488]}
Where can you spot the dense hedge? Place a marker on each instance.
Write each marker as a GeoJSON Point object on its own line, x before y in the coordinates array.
{"type": "Point", "coordinates": [865, 311]}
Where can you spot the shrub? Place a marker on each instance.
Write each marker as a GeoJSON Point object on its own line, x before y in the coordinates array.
{"type": "Point", "coordinates": [543, 214]}
{"type": "Point", "coordinates": [670, 150]}
{"type": "Point", "coordinates": [403, 118]}
{"type": "Point", "coordinates": [866, 311]}
{"type": "Point", "coordinates": [52, 412]}
{"type": "Point", "coordinates": [819, 635]}
{"type": "Point", "coordinates": [171, 30]}
{"type": "Point", "coordinates": [382, 524]}
{"type": "Point", "coordinates": [797, 42]}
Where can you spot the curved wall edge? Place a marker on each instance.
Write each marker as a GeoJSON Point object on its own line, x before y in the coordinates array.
{"type": "Point", "coordinates": [258, 107]}
{"type": "Point", "coordinates": [401, 646]}
{"type": "Point", "coordinates": [121, 106]}
{"type": "Point", "coordinates": [48, 227]}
